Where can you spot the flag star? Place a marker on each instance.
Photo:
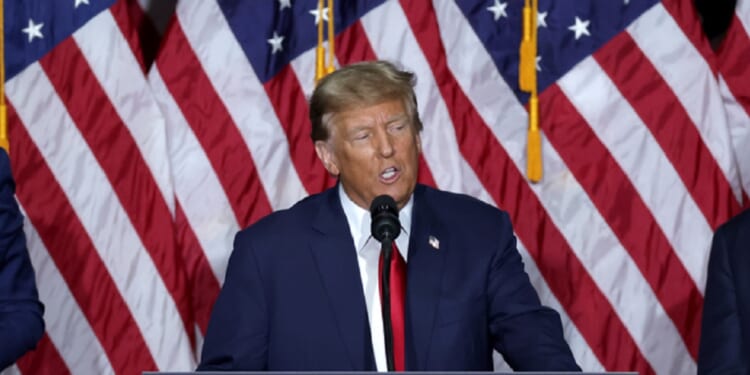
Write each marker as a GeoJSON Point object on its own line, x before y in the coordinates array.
{"type": "Point", "coordinates": [538, 66]}
{"type": "Point", "coordinates": [316, 13]}
{"type": "Point", "coordinates": [282, 4]}
{"type": "Point", "coordinates": [541, 19]}
{"type": "Point", "coordinates": [580, 28]}
{"type": "Point", "coordinates": [627, 2]}
{"type": "Point", "coordinates": [275, 43]}
{"type": "Point", "coordinates": [34, 30]}
{"type": "Point", "coordinates": [79, 2]}
{"type": "Point", "coordinates": [498, 10]}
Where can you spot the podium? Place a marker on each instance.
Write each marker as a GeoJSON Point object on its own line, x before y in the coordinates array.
{"type": "Point", "coordinates": [371, 373]}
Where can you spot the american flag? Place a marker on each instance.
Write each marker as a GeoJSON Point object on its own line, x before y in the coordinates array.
{"type": "Point", "coordinates": [135, 178]}
{"type": "Point", "coordinates": [734, 83]}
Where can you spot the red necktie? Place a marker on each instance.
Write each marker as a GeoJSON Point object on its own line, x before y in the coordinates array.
{"type": "Point", "coordinates": [398, 294]}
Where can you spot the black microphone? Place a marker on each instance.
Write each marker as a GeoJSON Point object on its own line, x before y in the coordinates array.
{"type": "Point", "coordinates": [385, 224]}
{"type": "Point", "coordinates": [385, 228]}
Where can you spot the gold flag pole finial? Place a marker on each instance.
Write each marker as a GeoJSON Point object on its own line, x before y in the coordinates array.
{"type": "Point", "coordinates": [323, 66]}
{"type": "Point", "coordinates": [527, 82]}
{"type": "Point", "coordinates": [320, 51]}
{"type": "Point", "coordinates": [330, 66]}
{"type": "Point", "coordinates": [3, 111]}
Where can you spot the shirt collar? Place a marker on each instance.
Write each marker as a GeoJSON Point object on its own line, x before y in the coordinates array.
{"type": "Point", "coordinates": [359, 223]}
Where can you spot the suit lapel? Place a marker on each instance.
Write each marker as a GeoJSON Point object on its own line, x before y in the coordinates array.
{"type": "Point", "coordinates": [333, 250]}
{"type": "Point", "coordinates": [424, 275]}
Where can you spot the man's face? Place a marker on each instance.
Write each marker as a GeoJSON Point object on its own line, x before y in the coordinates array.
{"type": "Point", "coordinates": [373, 150]}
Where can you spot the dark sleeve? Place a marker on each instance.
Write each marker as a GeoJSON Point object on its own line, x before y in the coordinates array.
{"type": "Point", "coordinates": [237, 335]}
{"type": "Point", "coordinates": [21, 324]}
{"type": "Point", "coordinates": [721, 347]}
{"type": "Point", "coordinates": [527, 334]}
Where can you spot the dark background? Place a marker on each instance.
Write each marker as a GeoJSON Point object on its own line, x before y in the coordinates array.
{"type": "Point", "coordinates": [715, 16]}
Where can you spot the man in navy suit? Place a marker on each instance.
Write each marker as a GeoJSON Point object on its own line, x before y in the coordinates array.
{"type": "Point", "coordinates": [725, 332]}
{"type": "Point", "coordinates": [21, 324]}
{"type": "Point", "coordinates": [301, 290]}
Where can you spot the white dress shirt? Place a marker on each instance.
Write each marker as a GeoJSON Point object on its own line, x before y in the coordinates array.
{"type": "Point", "coordinates": [368, 254]}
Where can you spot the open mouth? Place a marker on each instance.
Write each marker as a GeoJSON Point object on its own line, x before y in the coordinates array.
{"type": "Point", "coordinates": [389, 174]}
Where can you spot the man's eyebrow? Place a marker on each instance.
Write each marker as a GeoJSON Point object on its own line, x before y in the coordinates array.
{"type": "Point", "coordinates": [395, 118]}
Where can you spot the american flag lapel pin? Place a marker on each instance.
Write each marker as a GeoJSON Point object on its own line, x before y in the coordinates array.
{"type": "Point", "coordinates": [434, 242]}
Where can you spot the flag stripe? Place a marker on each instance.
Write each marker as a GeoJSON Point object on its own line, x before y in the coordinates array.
{"type": "Point", "coordinates": [150, 142]}
{"type": "Point", "coordinates": [141, 37]}
{"type": "Point", "coordinates": [599, 174]}
{"type": "Point", "coordinates": [129, 94]}
{"type": "Point", "coordinates": [735, 88]}
{"type": "Point", "coordinates": [742, 12]}
{"type": "Point", "coordinates": [139, 29]}
{"type": "Point", "coordinates": [204, 284]}
{"type": "Point", "coordinates": [214, 128]}
{"type": "Point", "coordinates": [291, 108]}
{"type": "Point", "coordinates": [687, 19]}
{"type": "Point", "coordinates": [470, 128]}
{"type": "Point", "coordinates": [563, 199]}
{"type": "Point", "coordinates": [353, 46]}
{"type": "Point", "coordinates": [640, 157]}
{"type": "Point", "coordinates": [734, 84]}
{"type": "Point", "coordinates": [105, 220]}
{"type": "Point", "coordinates": [206, 207]}
{"type": "Point", "coordinates": [67, 327]}
{"type": "Point", "coordinates": [236, 84]}
{"type": "Point", "coordinates": [43, 360]}
{"type": "Point", "coordinates": [681, 65]}
{"type": "Point", "coordinates": [584, 356]}
{"type": "Point", "coordinates": [735, 54]}
{"type": "Point", "coordinates": [668, 201]}
{"type": "Point", "coordinates": [653, 100]}
{"type": "Point", "coordinates": [67, 240]}
{"type": "Point", "coordinates": [439, 145]}
{"type": "Point", "coordinates": [99, 123]}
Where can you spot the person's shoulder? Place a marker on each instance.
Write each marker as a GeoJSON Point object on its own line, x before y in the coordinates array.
{"type": "Point", "coordinates": [5, 175]}
{"type": "Point", "coordinates": [461, 207]}
{"type": "Point", "coordinates": [301, 213]}
{"type": "Point", "coordinates": [733, 236]}
{"type": "Point", "coordinates": [4, 159]}
{"type": "Point", "coordinates": [739, 224]}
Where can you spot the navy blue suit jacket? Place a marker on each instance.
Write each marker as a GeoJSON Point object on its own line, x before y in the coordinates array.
{"type": "Point", "coordinates": [21, 324]}
{"type": "Point", "coordinates": [725, 332]}
{"type": "Point", "coordinates": [293, 298]}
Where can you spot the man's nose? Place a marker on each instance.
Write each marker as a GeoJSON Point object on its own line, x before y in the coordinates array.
{"type": "Point", "coordinates": [384, 144]}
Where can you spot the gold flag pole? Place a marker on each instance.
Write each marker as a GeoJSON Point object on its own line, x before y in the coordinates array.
{"type": "Point", "coordinates": [330, 66]}
{"type": "Point", "coordinates": [3, 111]}
{"type": "Point", "coordinates": [323, 67]}
{"type": "Point", "coordinates": [527, 82]}
{"type": "Point", "coordinates": [320, 52]}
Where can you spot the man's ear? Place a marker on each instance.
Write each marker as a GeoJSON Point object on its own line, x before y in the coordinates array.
{"type": "Point", "coordinates": [325, 154]}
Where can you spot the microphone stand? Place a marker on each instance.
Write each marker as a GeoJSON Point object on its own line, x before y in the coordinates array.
{"type": "Point", "coordinates": [385, 287]}
{"type": "Point", "coordinates": [385, 228]}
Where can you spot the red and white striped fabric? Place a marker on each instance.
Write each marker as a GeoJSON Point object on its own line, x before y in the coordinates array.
{"type": "Point", "coordinates": [88, 152]}
{"type": "Point", "coordinates": [134, 187]}
{"type": "Point", "coordinates": [734, 79]}
{"type": "Point", "coordinates": [639, 167]}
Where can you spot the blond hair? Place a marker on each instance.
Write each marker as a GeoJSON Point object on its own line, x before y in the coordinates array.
{"type": "Point", "coordinates": [361, 85]}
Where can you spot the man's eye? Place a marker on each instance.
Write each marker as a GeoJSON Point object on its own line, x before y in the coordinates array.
{"type": "Point", "coordinates": [361, 136]}
{"type": "Point", "coordinates": [397, 127]}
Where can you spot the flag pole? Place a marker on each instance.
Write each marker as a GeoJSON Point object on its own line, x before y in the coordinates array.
{"type": "Point", "coordinates": [324, 67]}
{"type": "Point", "coordinates": [527, 82]}
{"type": "Point", "coordinates": [320, 52]}
{"type": "Point", "coordinates": [3, 111]}
{"type": "Point", "coordinates": [330, 66]}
